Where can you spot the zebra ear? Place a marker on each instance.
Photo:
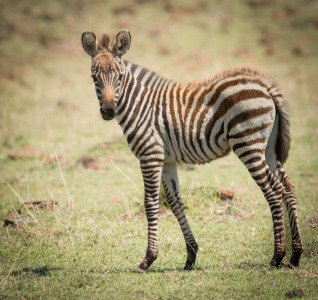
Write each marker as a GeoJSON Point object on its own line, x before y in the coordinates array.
{"type": "Point", "coordinates": [122, 44]}
{"type": "Point", "coordinates": [89, 43]}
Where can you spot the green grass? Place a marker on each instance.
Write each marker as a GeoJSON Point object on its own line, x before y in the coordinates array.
{"type": "Point", "coordinates": [90, 245]}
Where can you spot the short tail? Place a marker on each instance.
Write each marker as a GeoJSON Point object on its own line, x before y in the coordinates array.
{"type": "Point", "coordinates": [283, 137]}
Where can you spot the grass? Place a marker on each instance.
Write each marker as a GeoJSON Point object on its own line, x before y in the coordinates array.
{"type": "Point", "coordinates": [90, 245]}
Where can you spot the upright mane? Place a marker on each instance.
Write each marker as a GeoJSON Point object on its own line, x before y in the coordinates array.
{"type": "Point", "coordinates": [105, 42]}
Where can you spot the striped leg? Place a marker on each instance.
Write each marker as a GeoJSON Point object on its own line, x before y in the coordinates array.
{"type": "Point", "coordinates": [171, 185]}
{"type": "Point", "coordinates": [273, 191]}
{"type": "Point", "coordinates": [151, 171]}
{"type": "Point", "coordinates": [289, 198]}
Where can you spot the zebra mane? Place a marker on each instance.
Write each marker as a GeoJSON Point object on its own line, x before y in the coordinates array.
{"type": "Point", "coordinates": [131, 65]}
{"type": "Point", "coordinates": [105, 42]}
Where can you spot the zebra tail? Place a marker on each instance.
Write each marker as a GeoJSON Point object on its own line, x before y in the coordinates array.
{"type": "Point", "coordinates": [283, 137]}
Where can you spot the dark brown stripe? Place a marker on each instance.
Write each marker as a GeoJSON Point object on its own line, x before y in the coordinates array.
{"type": "Point", "coordinates": [218, 92]}
{"type": "Point", "coordinates": [194, 133]}
{"type": "Point", "coordinates": [174, 120]}
{"type": "Point", "coordinates": [248, 143]}
{"type": "Point", "coordinates": [165, 121]}
{"type": "Point", "coordinates": [127, 91]}
{"type": "Point", "coordinates": [247, 115]}
{"type": "Point", "coordinates": [257, 168]}
{"type": "Point", "coordinates": [249, 152]}
{"type": "Point", "coordinates": [217, 136]}
{"type": "Point", "coordinates": [253, 160]}
{"type": "Point", "coordinates": [249, 131]}
{"type": "Point", "coordinates": [140, 137]}
{"type": "Point", "coordinates": [227, 103]}
{"type": "Point", "coordinates": [150, 102]}
{"type": "Point", "coordinates": [187, 110]}
{"type": "Point", "coordinates": [182, 125]}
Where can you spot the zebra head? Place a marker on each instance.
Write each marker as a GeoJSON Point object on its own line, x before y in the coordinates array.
{"type": "Point", "coordinates": [108, 68]}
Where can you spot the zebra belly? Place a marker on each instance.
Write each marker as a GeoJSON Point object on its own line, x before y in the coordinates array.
{"type": "Point", "coordinates": [196, 148]}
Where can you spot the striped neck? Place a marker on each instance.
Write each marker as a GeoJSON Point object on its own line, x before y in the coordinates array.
{"type": "Point", "coordinates": [139, 86]}
{"type": "Point", "coordinates": [142, 85]}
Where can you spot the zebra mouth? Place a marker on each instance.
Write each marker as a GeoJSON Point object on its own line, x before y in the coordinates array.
{"type": "Point", "coordinates": [107, 114]}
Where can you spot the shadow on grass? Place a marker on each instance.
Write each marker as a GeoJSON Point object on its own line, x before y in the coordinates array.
{"type": "Point", "coordinates": [154, 270]}
{"type": "Point", "coordinates": [166, 270]}
{"type": "Point", "coordinates": [40, 271]}
{"type": "Point", "coordinates": [249, 265]}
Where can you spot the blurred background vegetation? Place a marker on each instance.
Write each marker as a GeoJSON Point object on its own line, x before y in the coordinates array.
{"type": "Point", "coordinates": [56, 147]}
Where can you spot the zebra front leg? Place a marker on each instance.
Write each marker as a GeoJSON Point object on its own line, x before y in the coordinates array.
{"type": "Point", "coordinates": [151, 171]}
{"type": "Point", "coordinates": [171, 185]}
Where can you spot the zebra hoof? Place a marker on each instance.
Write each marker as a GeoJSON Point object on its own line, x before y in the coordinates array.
{"type": "Point", "coordinates": [275, 264]}
{"type": "Point", "coordinates": [140, 270]}
{"type": "Point", "coordinates": [294, 260]}
{"type": "Point", "coordinates": [188, 267]}
{"type": "Point", "coordinates": [143, 266]}
{"type": "Point", "coordinates": [277, 260]}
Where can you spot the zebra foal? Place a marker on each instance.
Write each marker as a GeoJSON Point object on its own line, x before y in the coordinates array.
{"type": "Point", "coordinates": [166, 122]}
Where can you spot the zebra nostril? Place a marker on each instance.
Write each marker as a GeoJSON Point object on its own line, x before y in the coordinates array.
{"type": "Point", "coordinates": [107, 110]}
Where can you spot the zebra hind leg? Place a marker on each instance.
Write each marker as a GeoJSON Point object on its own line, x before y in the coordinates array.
{"type": "Point", "coordinates": [272, 189]}
{"type": "Point", "coordinates": [289, 198]}
{"type": "Point", "coordinates": [171, 186]}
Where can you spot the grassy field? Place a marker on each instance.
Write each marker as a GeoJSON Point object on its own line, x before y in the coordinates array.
{"type": "Point", "coordinates": [55, 146]}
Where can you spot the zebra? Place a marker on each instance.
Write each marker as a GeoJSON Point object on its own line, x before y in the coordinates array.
{"type": "Point", "coordinates": [167, 122]}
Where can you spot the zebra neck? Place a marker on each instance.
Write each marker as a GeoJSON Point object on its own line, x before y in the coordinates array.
{"type": "Point", "coordinates": [149, 81]}
{"type": "Point", "coordinates": [140, 85]}
{"type": "Point", "coordinates": [144, 90]}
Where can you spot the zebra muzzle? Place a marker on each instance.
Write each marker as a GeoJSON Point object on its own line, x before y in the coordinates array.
{"type": "Point", "coordinates": [107, 110]}
{"type": "Point", "coordinates": [107, 114]}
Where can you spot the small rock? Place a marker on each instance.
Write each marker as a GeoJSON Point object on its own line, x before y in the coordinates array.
{"type": "Point", "coordinates": [89, 162]}
{"type": "Point", "coordinates": [226, 194]}
{"type": "Point", "coordinates": [294, 293]}
{"type": "Point", "coordinates": [49, 205]}
{"type": "Point", "coordinates": [16, 220]}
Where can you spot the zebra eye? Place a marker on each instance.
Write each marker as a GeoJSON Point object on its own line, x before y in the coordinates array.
{"type": "Point", "coordinates": [120, 76]}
